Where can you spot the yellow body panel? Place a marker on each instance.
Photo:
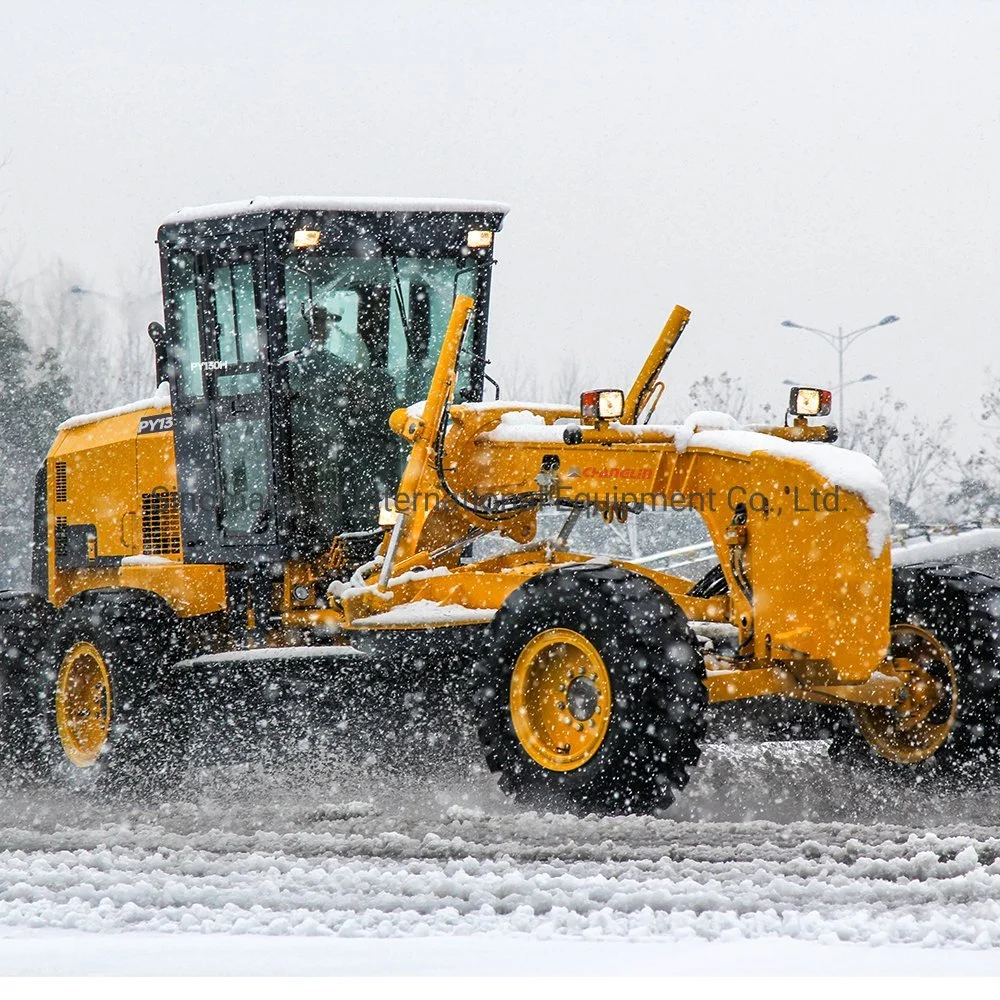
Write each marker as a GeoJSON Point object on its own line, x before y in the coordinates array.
{"type": "Point", "coordinates": [102, 472]}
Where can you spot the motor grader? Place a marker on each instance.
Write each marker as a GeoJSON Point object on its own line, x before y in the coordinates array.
{"type": "Point", "coordinates": [318, 476]}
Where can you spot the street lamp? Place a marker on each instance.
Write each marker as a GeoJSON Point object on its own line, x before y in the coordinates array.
{"type": "Point", "coordinates": [854, 381]}
{"type": "Point", "coordinates": [79, 291]}
{"type": "Point", "coordinates": [840, 341]}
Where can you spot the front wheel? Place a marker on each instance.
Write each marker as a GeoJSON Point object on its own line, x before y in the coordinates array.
{"type": "Point", "coordinates": [591, 694]}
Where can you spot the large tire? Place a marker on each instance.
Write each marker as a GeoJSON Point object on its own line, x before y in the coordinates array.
{"type": "Point", "coordinates": [106, 717]}
{"type": "Point", "coordinates": [960, 609]}
{"type": "Point", "coordinates": [648, 673]}
{"type": "Point", "coordinates": [25, 620]}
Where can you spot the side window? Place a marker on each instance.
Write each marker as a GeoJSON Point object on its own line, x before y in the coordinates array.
{"type": "Point", "coordinates": [184, 309]}
{"type": "Point", "coordinates": [236, 313]}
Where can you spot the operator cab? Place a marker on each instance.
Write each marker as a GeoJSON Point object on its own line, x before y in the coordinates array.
{"type": "Point", "coordinates": [293, 328]}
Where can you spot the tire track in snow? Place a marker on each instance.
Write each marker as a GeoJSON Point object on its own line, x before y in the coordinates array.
{"type": "Point", "coordinates": [456, 858]}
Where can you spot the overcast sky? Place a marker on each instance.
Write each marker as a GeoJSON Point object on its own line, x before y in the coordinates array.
{"type": "Point", "coordinates": [754, 161]}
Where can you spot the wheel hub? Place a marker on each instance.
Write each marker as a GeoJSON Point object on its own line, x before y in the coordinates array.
{"type": "Point", "coordinates": [83, 704]}
{"type": "Point", "coordinates": [560, 699]}
{"type": "Point", "coordinates": [918, 726]}
{"type": "Point", "coordinates": [582, 697]}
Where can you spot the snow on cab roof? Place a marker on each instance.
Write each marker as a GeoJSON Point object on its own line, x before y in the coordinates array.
{"type": "Point", "coordinates": [295, 203]}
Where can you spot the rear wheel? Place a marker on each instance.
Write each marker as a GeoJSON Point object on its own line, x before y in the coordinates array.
{"type": "Point", "coordinates": [919, 727]}
{"type": "Point", "coordinates": [591, 695]}
{"type": "Point", "coordinates": [83, 704]}
{"type": "Point", "coordinates": [25, 621]}
{"type": "Point", "coordinates": [107, 717]}
{"type": "Point", "coordinates": [945, 643]}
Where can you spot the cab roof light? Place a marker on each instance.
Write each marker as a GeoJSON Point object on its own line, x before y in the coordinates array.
{"type": "Point", "coordinates": [306, 238]}
{"type": "Point", "coordinates": [477, 239]}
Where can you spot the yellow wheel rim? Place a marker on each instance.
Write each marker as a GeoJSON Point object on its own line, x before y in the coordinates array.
{"type": "Point", "coordinates": [560, 699]}
{"type": "Point", "coordinates": [83, 704]}
{"type": "Point", "coordinates": [916, 729]}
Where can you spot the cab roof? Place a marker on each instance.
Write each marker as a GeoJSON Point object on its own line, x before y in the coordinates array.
{"type": "Point", "coordinates": [299, 203]}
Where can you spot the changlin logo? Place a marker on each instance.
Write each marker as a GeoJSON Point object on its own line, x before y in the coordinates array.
{"type": "Point", "coordinates": [620, 473]}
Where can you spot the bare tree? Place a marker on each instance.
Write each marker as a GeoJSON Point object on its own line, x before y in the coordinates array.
{"type": "Point", "coordinates": [728, 394]}
{"type": "Point", "coordinates": [522, 380]}
{"type": "Point", "coordinates": [913, 453]}
{"type": "Point", "coordinates": [567, 382]}
{"type": "Point", "coordinates": [923, 453]}
{"type": "Point", "coordinates": [975, 483]}
{"type": "Point", "coordinates": [138, 302]}
{"type": "Point", "coordinates": [518, 380]}
{"type": "Point", "coordinates": [99, 337]}
{"type": "Point", "coordinates": [874, 429]}
{"type": "Point", "coordinates": [70, 325]}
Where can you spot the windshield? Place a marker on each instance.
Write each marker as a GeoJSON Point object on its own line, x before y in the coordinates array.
{"type": "Point", "coordinates": [379, 313]}
{"type": "Point", "coordinates": [362, 338]}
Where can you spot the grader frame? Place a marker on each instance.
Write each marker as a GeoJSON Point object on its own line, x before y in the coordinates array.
{"type": "Point", "coordinates": [812, 576]}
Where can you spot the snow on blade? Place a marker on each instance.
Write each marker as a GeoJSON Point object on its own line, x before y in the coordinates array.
{"type": "Point", "coordinates": [273, 653]}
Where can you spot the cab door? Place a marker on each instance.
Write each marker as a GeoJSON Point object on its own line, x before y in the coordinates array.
{"type": "Point", "coordinates": [235, 374]}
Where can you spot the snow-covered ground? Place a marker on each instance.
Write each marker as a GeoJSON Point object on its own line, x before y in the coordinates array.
{"type": "Point", "coordinates": [775, 859]}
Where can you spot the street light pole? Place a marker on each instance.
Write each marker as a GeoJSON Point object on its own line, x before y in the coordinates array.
{"type": "Point", "coordinates": [840, 341]}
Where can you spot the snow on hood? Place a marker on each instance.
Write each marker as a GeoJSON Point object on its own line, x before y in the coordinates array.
{"type": "Point", "coordinates": [850, 470]}
{"type": "Point", "coordinates": [159, 400]}
{"type": "Point", "coordinates": [704, 420]}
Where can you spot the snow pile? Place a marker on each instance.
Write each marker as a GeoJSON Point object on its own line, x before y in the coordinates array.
{"type": "Point", "coordinates": [144, 560]}
{"type": "Point", "coordinates": [159, 400]}
{"type": "Point", "coordinates": [521, 418]}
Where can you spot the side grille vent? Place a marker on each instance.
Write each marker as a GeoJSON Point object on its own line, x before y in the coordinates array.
{"type": "Point", "coordinates": [60, 536]}
{"type": "Point", "coordinates": [61, 493]}
{"type": "Point", "coordinates": [161, 523]}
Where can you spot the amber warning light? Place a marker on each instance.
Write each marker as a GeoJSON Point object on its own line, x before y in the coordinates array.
{"type": "Point", "coordinates": [806, 402]}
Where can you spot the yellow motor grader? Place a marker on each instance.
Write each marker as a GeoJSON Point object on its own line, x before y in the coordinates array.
{"type": "Point", "coordinates": [318, 474]}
